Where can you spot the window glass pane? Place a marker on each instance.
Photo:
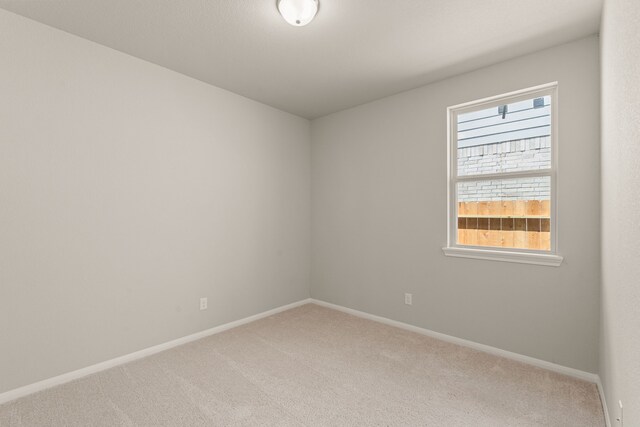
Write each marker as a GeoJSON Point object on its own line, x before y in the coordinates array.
{"type": "Point", "coordinates": [508, 138]}
{"type": "Point", "coordinates": [507, 213]}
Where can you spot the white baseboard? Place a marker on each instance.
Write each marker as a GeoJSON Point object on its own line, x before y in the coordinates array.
{"type": "Point", "coordinates": [576, 373]}
{"type": "Point", "coordinates": [73, 375]}
{"type": "Point", "coordinates": [603, 400]}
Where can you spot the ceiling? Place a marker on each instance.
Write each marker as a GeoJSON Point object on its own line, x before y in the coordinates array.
{"type": "Point", "coordinates": [353, 52]}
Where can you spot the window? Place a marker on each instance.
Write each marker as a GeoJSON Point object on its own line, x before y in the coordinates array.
{"type": "Point", "coordinates": [502, 178]}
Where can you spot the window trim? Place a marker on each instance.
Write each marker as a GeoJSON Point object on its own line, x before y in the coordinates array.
{"type": "Point", "coordinates": [527, 256]}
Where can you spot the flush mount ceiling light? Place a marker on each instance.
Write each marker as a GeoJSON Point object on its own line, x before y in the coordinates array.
{"type": "Point", "coordinates": [298, 12]}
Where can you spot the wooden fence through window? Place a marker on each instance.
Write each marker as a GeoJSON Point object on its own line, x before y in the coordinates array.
{"type": "Point", "coordinates": [524, 224]}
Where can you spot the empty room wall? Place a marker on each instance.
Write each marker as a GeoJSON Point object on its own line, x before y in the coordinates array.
{"type": "Point", "coordinates": [620, 339]}
{"type": "Point", "coordinates": [379, 203]}
{"type": "Point", "coordinates": [127, 192]}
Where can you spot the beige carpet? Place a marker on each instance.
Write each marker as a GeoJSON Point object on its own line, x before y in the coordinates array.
{"type": "Point", "coordinates": [312, 366]}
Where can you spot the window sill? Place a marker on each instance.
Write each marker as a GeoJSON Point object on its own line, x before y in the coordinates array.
{"type": "Point", "coordinates": [549, 260]}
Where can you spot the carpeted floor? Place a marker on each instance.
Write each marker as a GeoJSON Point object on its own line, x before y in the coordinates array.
{"type": "Point", "coordinates": [312, 366]}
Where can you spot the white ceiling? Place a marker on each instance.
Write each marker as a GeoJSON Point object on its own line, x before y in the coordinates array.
{"type": "Point", "coordinates": [353, 52]}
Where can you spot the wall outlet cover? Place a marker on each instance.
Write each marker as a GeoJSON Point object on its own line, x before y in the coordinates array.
{"type": "Point", "coordinates": [408, 299]}
{"type": "Point", "coordinates": [620, 418]}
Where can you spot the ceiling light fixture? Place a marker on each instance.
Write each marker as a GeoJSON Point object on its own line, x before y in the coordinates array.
{"type": "Point", "coordinates": [298, 12]}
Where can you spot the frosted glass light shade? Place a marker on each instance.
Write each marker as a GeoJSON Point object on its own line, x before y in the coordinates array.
{"type": "Point", "coordinates": [298, 12]}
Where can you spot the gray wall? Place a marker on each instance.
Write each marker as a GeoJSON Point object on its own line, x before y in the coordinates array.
{"type": "Point", "coordinates": [620, 339]}
{"type": "Point", "coordinates": [127, 192]}
{"type": "Point", "coordinates": [379, 186]}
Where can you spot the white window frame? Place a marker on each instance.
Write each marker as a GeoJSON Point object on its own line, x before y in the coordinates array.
{"type": "Point", "coordinates": [527, 256]}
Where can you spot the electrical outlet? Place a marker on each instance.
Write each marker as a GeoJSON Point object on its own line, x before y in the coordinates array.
{"type": "Point", "coordinates": [620, 419]}
{"type": "Point", "coordinates": [408, 299]}
{"type": "Point", "coordinates": [203, 303]}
